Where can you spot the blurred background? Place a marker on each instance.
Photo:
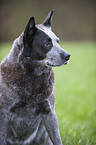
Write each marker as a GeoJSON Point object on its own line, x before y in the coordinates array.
{"type": "Point", "coordinates": [75, 86]}
{"type": "Point", "coordinates": [73, 19]}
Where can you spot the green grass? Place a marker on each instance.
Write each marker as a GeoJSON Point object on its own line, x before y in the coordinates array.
{"type": "Point", "coordinates": [75, 93]}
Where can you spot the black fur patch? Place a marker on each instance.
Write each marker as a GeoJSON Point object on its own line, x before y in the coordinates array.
{"type": "Point", "coordinates": [36, 42]}
{"type": "Point", "coordinates": [38, 47]}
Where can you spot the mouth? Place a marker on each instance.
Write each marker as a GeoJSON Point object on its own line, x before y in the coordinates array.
{"type": "Point", "coordinates": [51, 65]}
{"type": "Point", "coordinates": [55, 65]}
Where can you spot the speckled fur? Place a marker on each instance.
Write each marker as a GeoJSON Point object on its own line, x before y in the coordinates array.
{"type": "Point", "coordinates": [27, 98]}
{"type": "Point", "coordinates": [24, 99]}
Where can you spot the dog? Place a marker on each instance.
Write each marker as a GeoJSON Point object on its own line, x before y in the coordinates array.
{"type": "Point", "coordinates": [27, 98]}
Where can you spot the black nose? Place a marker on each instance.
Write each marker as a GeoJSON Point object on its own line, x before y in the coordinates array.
{"type": "Point", "coordinates": [67, 56]}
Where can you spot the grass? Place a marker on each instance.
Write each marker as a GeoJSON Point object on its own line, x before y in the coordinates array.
{"type": "Point", "coordinates": [75, 93]}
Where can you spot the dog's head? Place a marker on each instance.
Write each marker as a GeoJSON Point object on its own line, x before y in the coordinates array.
{"type": "Point", "coordinates": [42, 45]}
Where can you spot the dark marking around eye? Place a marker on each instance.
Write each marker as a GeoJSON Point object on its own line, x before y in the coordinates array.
{"type": "Point", "coordinates": [48, 43]}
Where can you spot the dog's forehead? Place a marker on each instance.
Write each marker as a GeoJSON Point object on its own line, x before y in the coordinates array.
{"type": "Point", "coordinates": [47, 30]}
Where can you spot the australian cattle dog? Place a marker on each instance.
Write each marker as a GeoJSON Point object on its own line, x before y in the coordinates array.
{"type": "Point", "coordinates": [27, 98]}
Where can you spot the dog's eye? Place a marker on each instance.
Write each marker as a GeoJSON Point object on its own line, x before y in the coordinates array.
{"type": "Point", "coordinates": [47, 44]}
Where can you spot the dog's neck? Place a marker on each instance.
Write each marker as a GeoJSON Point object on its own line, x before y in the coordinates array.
{"type": "Point", "coordinates": [16, 50]}
{"type": "Point", "coordinates": [33, 67]}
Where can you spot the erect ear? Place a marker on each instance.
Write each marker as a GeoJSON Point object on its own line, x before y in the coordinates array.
{"type": "Point", "coordinates": [30, 30]}
{"type": "Point", "coordinates": [48, 19]}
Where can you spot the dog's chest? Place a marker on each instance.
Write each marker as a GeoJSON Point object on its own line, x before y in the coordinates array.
{"type": "Point", "coordinates": [28, 85]}
{"type": "Point", "coordinates": [22, 123]}
{"type": "Point", "coordinates": [35, 98]}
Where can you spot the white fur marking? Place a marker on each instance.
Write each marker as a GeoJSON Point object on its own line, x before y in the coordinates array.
{"type": "Point", "coordinates": [48, 31]}
{"type": "Point", "coordinates": [18, 59]}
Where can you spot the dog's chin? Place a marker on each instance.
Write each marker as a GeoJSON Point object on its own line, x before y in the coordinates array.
{"type": "Point", "coordinates": [56, 64]}
{"type": "Point", "coordinates": [66, 62]}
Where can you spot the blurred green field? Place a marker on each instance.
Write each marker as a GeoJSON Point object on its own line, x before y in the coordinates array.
{"type": "Point", "coordinates": [75, 91]}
